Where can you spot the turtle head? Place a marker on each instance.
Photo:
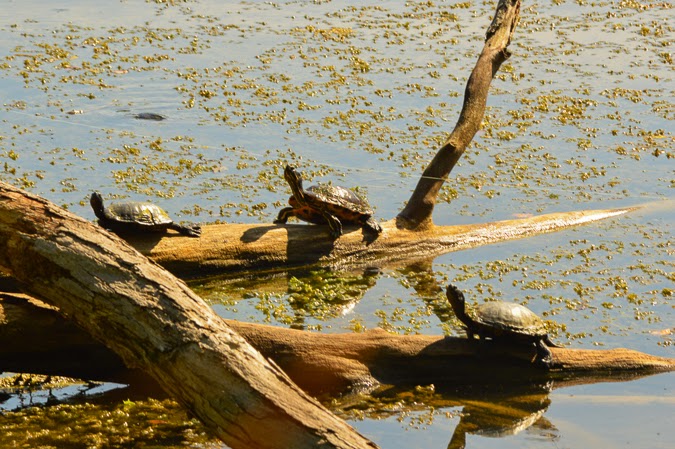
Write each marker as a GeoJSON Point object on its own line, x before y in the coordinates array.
{"type": "Point", "coordinates": [457, 301]}
{"type": "Point", "coordinates": [294, 180]}
{"type": "Point", "coordinates": [96, 202]}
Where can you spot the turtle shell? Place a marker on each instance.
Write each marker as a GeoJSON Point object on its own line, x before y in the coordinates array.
{"type": "Point", "coordinates": [137, 216]}
{"type": "Point", "coordinates": [341, 202]}
{"type": "Point", "coordinates": [139, 213]}
{"type": "Point", "coordinates": [509, 318]}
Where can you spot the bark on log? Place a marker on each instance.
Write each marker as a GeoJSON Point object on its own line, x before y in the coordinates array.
{"type": "Point", "coordinates": [157, 324]}
{"type": "Point", "coordinates": [325, 364]}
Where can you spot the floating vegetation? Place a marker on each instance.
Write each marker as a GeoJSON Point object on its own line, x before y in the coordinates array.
{"type": "Point", "coordinates": [142, 423]}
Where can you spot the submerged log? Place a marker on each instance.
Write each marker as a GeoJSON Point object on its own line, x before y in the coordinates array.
{"type": "Point", "coordinates": [155, 323]}
{"type": "Point", "coordinates": [325, 364]}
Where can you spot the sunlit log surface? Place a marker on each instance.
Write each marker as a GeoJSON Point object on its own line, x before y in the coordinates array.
{"type": "Point", "coordinates": [239, 248]}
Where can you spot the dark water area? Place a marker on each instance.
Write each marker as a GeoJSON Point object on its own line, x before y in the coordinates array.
{"type": "Point", "coordinates": [580, 117]}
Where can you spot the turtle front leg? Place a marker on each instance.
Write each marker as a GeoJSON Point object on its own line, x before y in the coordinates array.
{"type": "Point", "coordinates": [333, 223]}
{"type": "Point", "coordinates": [550, 343]}
{"type": "Point", "coordinates": [284, 215]}
{"type": "Point", "coordinates": [544, 356]}
{"type": "Point", "coordinates": [372, 225]}
{"type": "Point", "coordinates": [190, 230]}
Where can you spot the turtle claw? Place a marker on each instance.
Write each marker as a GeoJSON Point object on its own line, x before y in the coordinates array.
{"type": "Point", "coordinates": [371, 225]}
{"type": "Point", "coordinates": [336, 232]}
{"type": "Point", "coordinates": [334, 224]}
{"type": "Point", "coordinates": [194, 230]}
{"type": "Point", "coordinates": [284, 213]}
{"type": "Point", "coordinates": [544, 357]}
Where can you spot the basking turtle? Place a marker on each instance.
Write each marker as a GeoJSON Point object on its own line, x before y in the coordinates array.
{"type": "Point", "coordinates": [503, 320]}
{"type": "Point", "coordinates": [137, 216]}
{"type": "Point", "coordinates": [326, 204]}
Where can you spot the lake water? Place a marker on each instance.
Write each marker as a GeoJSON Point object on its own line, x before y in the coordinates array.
{"type": "Point", "coordinates": [580, 117]}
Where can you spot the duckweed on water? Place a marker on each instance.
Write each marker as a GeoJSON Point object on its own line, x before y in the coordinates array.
{"type": "Point", "coordinates": [371, 79]}
{"type": "Point", "coordinates": [129, 424]}
{"type": "Point", "coordinates": [51, 413]}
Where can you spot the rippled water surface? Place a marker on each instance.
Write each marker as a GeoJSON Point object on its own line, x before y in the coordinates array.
{"type": "Point", "coordinates": [580, 117]}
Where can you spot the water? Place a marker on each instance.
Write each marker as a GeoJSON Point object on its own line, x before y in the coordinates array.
{"type": "Point", "coordinates": [570, 418]}
{"type": "Point", "coordinates": [580, 117]}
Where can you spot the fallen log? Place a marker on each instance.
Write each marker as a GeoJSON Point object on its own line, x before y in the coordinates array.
{"type": "Point", "coordinates": [155, 323]}
{"type": "Point", "coordinates": [241, 248]}
{"type": "Point", "coordinates": [322, 364]}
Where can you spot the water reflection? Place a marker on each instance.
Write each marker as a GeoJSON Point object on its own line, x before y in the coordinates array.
{"type": "Point", "coordinates": [491, 412]}
{"type": "Point", "coordinates": [304, 299]}
{"type": "Point", "coordinates": [504, 415]}
{"type": "Point", "coordinates": [494, 411]}
{"type": "Point", "coordinates": [294, 298]}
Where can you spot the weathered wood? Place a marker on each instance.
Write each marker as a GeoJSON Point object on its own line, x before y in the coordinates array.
{"type": "Point", "coordinates": [417, 212]}
{"type": "Point", "coordinates": [326, 363]}
{"type": "Point", "coordinates": [240, 248]}
{"type": "Point", "coordinates": [154, 322]}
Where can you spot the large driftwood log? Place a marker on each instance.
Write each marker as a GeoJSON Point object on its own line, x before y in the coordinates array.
{"type": "Point", "coordinates": [154, 322]}
{"type": "Point", "coordinates": [318, 363]}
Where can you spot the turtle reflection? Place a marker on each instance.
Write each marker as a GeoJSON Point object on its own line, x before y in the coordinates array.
{"type": "Point", "coordinates": [492, 411]}
{"type": "Point", "coordinates": [503, 415]}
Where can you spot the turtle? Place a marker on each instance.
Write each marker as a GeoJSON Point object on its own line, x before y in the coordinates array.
{"type": "Point", "coordinates": [503, 320]}
{"type": "Point", "coordinates": [149, 116]}
{"type": "Point", "coordinates": [137, 216]}
{"type": "Point", "coordinates": [326, 204]}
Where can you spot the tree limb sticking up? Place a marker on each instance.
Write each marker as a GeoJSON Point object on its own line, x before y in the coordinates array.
{"type": "Point", "coordinates": [416, 215]}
